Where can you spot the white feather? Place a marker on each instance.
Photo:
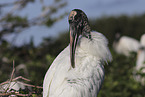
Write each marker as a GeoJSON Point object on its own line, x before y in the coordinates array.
{"type": "Point", "coordinates": [61, 80]}
{"type": "Point", "coordinates": [140, 63]}
{"type": "Point", "coordinates": [126, 45]}
{"type": "Point", "coordinates": [142, 40]}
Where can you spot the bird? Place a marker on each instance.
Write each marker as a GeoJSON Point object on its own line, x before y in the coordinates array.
{"type": "Point", "coordinates": [78, 71]}
{"type": "Point", "coordinates": [142, 40]}
{"type": "Point", "coordinates": [140, 62]}
{"type": "Point", "coordinates": [125, 45]}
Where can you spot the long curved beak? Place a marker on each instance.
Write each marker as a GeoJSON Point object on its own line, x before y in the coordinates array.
{"type": "Point", "coordinates": [74, 34]}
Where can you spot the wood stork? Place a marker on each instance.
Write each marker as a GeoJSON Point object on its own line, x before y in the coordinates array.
{"type": "Point", "coordinates": [78, 70]}
{"type": "Point", "coordinates": [125, 45]}
{"type": "Point", "coordinates": [140, 63]}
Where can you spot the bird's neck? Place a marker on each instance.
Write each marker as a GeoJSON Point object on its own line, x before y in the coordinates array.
{"type": "Point", "coordinates": [95, 47]}
{"type": "Point", "coordinates": [86, 31]}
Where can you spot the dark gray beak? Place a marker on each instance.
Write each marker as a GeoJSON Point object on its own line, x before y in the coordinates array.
{"type": "Point", "coordinates": [74, 34]}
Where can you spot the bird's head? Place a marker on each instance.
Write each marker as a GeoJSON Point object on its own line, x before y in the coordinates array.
{"type": "Point", "coordinates": [79, 25]}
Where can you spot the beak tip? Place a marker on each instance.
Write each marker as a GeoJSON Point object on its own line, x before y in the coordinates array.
{"type": "Point", "coordinates": [73, 65]}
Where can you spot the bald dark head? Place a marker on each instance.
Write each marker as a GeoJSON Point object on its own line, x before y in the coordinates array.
{"type": "Point", "coordinates": [79, 25]}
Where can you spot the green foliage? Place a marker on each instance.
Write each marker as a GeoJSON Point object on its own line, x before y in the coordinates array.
{"type": "Point", "coordinates": [11, 18]}
{"type": "Point", "coordinates": [36, 62]}
{"type": "Point", "coordinates": [55, 46]}
{"type": "Point", "coordinates": [119, 81]}
{"type": "Point", "coordinates": [49, 22]}
{"type": "Point", "coordinates": [131, 26]}
{"type": "Point", "coordinates": [12, 22]}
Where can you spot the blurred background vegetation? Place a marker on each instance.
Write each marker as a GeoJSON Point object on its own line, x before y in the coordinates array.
{"type": "Point", "coordinates": [118, 81]}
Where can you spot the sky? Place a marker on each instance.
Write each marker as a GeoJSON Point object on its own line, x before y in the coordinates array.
{"type": "Point", "coordinates": [93, 9]}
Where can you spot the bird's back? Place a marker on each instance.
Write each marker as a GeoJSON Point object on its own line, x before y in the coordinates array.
{"type": "Point", "coordinates": [127, 45]}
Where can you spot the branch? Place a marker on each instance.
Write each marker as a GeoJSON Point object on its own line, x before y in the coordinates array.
{"type": "Point", "coordinates": [11, 77]}
{"type": "Point", "coordinates": [14, 93]}
{"type": "Point", "coordinates": [39, 87]}
{"type": "Point", "coordinates": [19, 77]}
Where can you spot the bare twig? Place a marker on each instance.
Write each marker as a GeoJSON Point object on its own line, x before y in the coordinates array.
{"type": "Point", "coordinates": [14, 93]}
{"type": "Point", "coordinates": [17, 93]}
{"type": "Point", "coordinates": [12, 71]}
{"type": "Point", "coordinates": [39, 87]}
{"type": "Point", "coordinates": [19, 77]}
{"type": "Point", "coordinates": [8, 91]}
{"type": "Point", "coordinates": [11, 77]}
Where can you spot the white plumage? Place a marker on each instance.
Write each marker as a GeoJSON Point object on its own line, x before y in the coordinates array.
{"type": "Point", "coordinates": [140, 63]}
{"type": "Point", "coordinates": [125, 45]}
{"type": "Point", "coordinates": [142, 40]}
{"type": "Point", "coordinates": [85, 79]}
{"type": "Point", "coordinates": [61, 80]}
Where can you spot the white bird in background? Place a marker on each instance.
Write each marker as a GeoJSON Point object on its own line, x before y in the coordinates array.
{"type": "Point", "coordinates": [125, 45]}
{"type": "Point", "coordinates": [78, 70]}
{"type": "Point", "coordinates": [142, 40]}
{"type": "Point", "coordinates": [140, 63]}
